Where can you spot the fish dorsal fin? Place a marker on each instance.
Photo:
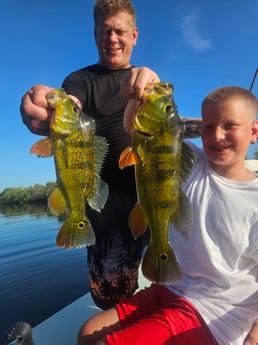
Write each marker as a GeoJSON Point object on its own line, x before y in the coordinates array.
{"type": "Point", "coordinates": [184, 220]}
{"type": "Point", "coordinates": [99, 195]}
{"type": "Point", "coordinates": [56, 202]}
{"type": "Point", "coordinates": [127, 158]}
{"type": "Point", "coordinates": [187, 161]}
{"type": "Point", "coordinates": [100, 150]}
{"type": "Point", "coordinates": [42, 148]}
{"type": "Point", "coordinates": [137, 221]}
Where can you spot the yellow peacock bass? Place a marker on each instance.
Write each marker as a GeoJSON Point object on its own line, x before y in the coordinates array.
{"type": "Point", "coordinates": [162, 161]}
{"type": "Point", "coordinates": [78, 155]}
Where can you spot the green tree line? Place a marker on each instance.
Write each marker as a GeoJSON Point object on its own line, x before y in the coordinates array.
{"type": "Point", "coordinates": [29, 195]}
{"type": "Point", "coordinates": [38, 193]}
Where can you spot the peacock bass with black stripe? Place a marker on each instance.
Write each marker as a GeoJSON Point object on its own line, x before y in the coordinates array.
{"type": "Point", "coordinates": [78, 156]}
{"type": "Point", "coordinates": [162, 162]}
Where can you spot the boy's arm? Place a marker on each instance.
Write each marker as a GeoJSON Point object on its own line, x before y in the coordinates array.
{"type": "Point", "coordinates": [252, 336]}
{"type": "Point", "coordinates": [193, 127]}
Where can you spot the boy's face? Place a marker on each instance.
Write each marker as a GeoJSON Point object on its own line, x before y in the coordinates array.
{"type": "Point", "coordinates": [115, 38]}
{"type": "Point", "coordinates": [227, 133]}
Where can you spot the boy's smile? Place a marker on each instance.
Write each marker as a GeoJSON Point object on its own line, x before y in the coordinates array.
{"type": "Point", "coordinates": [227, 133]}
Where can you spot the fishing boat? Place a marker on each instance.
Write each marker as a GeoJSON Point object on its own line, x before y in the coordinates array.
{"type": "Point", "coordinates": [252, 164]}
{"type": "Point", "coordinates": [62, 327]}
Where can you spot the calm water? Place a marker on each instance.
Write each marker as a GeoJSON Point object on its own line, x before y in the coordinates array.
{"type": "Point", "coordinates": [36, 278]}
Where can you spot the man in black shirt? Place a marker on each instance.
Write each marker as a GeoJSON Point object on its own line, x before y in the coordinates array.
{"type": "Point", "coordinates": [114, 260]}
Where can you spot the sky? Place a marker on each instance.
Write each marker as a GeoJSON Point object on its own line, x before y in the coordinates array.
{"type": "Point", "coordinates": [197, 45]}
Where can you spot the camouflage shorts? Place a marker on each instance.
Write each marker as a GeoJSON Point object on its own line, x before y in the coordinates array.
{"type": "Point", "coordinates": [113, 270]}
{"type": "Point", "coordinates": [114, 260]}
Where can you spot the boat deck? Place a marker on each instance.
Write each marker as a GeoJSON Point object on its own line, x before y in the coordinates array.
{"type": "Point", "coordinates": [62, 327]}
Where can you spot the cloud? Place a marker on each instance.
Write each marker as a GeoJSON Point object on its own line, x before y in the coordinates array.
{"type": "Point", "coordinates": [192, 35]}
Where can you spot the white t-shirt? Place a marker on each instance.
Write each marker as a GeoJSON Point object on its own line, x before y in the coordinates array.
{"type": "Point", "coordinates": [219, 263]}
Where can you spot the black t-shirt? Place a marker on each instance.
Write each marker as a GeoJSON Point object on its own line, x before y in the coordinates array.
{"type": "Point", "coordinates": [98, 89]}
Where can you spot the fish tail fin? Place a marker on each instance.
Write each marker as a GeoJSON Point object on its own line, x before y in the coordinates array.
{"type": "Point", "coordinates": [160, 267]}
{"type": "Point", "coordinates": [75, 233]}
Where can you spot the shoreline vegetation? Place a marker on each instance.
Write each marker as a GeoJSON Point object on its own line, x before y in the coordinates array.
{"type": "Point", "coordinates": [37, 194]}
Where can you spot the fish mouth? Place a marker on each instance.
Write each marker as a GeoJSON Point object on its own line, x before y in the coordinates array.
{"type": "Point", "coordinates": [143, 134]}
{"type": "Point", "coordinates": [51, 98]}
{"type": "Point", "coordinates": [54, 95]}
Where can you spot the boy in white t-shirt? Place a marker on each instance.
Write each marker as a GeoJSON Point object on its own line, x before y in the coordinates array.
{"type": "Point", "coordinates": [216, 301]}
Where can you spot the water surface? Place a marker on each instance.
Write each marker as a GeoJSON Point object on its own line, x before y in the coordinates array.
{"type": "Point", "coordinates": [36, 278]}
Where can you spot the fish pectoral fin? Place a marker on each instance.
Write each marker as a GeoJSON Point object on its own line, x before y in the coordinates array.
{"type": "Point", "coordinates": [127, 158]}
{"type": "Point", "coordinates": [137, 221]}
{"type": "Point", "coordinates": [57, 203]}
{"type": "Point", "coordinates": [187, 161]}
{"type": "Point", "coordinates": [99, 195]}
{"type": "Point", "coordinates": [184, 220]}
{"type": "Point", "coordinates": [160, 265]}
{"type": "Point", "coordinates": [42, 148]}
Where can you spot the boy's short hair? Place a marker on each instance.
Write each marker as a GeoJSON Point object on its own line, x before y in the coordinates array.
{"type": "Point", "coordinates": [232, 92]}
{"type": "Point", "coordinates": [106, 8]}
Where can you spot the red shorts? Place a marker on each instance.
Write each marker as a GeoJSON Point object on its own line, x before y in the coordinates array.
{"type": "Point", "coordinates": [156, 316]}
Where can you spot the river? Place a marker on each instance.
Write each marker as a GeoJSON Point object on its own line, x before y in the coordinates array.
{"type": "Point", "coordinates": [36, 278]}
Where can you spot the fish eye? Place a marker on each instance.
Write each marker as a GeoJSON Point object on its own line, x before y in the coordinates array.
{"type": "Point", "coordinates": [168, 108]}
{"type": "Point", "coordinates": [81, 225]}
{"type": "Point", "coordinates": [76, 109]}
